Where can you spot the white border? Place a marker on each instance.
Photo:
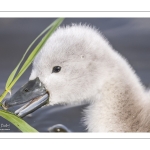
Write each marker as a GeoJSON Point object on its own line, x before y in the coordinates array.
{"type": "Point", "coordinates": [74, 5]}
{"type": "Point", "coordinates": [75, 135]}
{"type": "Point", "coordinates": [71, 144]}
{"type": "Point", "coordinates": [74, 14]}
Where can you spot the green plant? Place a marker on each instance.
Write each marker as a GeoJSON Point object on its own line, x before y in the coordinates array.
{"type": "Point", "coordinates": [16, 74]}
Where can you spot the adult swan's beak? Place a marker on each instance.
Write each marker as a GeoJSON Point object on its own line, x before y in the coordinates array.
{"type": "Point", "coordinates": [32, 93]}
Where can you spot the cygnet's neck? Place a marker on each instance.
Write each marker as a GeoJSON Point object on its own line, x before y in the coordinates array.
{"type": "Point", "coordinates": [120, 105]}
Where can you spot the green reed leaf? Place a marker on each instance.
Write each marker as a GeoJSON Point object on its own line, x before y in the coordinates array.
{"type": "Point", "coordinates": [17, 121]}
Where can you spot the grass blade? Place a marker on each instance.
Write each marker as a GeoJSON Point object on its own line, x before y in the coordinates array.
{"type": "Point", "coordinates": [18, 122]}
{"type": "Point", "coordinates": [11, 77]}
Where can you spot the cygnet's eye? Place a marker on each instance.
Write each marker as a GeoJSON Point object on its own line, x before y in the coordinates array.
{"type": "Point", "coordinates": [26, 90]}
{"type": "Point", "coordinates": [56, 69]}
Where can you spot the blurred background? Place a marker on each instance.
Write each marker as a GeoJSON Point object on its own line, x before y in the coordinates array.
{"type": "Point", "coordinates": [129, 36]}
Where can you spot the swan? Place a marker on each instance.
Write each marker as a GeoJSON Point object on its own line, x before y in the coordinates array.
{"type": "Point", "coordinates": [76, 65]}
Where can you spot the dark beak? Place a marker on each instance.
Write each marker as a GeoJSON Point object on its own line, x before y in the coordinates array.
{"type": "Point", "coordinates": [33, 94]}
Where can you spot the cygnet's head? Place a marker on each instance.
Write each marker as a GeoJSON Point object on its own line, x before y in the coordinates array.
{"type": "Point", "coordinates": [72, 67]}
{"type": "Point", "coordinates": [71, 63]}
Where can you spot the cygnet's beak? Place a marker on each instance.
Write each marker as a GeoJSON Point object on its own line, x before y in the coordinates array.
{"type": "Point", "coordinates": [32, 93]}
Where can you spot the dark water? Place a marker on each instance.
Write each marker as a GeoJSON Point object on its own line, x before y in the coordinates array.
{"type": "Point", "coordinates": [129, 36]}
